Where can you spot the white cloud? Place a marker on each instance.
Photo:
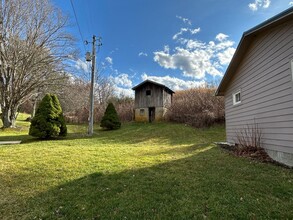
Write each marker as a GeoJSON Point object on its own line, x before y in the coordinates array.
{"type": "Point", "coordinates": [194, 31]}
{"type": "Point", "coordinates": [193, 44]}
{"type": "Point", "coordinates": [254, 6]}
{"type": "Point", "coordinates": [122, 92]}
{"type": "Point", "coordinates": [121, 80]}
{"type": "Point", "coordinates": [226, 56]}
{"type": "Point", "coordinates": [221, 37]}
{"type": "Point", "coordinates": [109, 60]}
{"type": "Point", "coordinates": [196, 58]}
{"type": "Point", "coordinates": [82, 65]}
{"type": "Point", "coordinates": [166, 48]}
{"type": "Point", "coordinates": [122, 85]}
{"type": "Point", "coordinates": [142, 54]}
{"type": "Point", "coordinates": [184, 30]}
{"type": "Point", "coordinates": [173, 82]}
{"type": "Point", "coordinates": [222, 45]}
{"type": "Point", "coordinates": [266, 3]}
{"type": "Point", "coordinates": [185, 20]}
{"type": "Point", "coordinates": [291, 3]}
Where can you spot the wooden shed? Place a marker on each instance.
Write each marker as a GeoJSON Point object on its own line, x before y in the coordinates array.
{"type": "Point", "coordinates": [152, 101]}
{"type": "Point", "coordinates": [258, 86]}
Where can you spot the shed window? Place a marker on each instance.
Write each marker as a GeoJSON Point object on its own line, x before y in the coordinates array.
{"type": "Point", "coordinates": [148, 92]}
{"type": "Point", "coordinates": [237, 98]}
{"type": "Point", "coordinates": [141, 112]}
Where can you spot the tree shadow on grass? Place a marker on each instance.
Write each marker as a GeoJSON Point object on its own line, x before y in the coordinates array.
{"type": "Point", "coordinates": [15, 138]}
{"type": "Point", "coordinates": [159, 133]}
{"type": "Point", "coordinates": [131, 134]}
{"type": "Point", "coordinates": [149, 134]}
{"type": "Point", "coordinates": [190, 188]}
{"type": "Point", "coordinates": [134, 194]}
{"type": "Point", "coordinates": [26, 139]}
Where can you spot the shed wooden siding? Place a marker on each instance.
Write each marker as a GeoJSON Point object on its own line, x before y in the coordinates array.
{"type": "Point", "coordinates": [265, 79]}
{"type": "Point", "coordinates": [167, 99]}
{"type": "Point", "coordinates": [144, 101]}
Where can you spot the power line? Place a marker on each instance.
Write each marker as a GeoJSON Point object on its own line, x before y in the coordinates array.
{"type": "Point", "coordinates": [78, 25]}
{"type": "Point", "coordinates": [89, 18]}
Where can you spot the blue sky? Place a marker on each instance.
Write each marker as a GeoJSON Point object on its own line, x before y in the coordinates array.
{"type": "Point", "coordinates": [180, 43]}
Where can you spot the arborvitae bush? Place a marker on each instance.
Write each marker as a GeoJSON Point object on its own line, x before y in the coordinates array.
{"type": "Point", "coordinates": [48, 121]}
{"type": "Point", "coordinates": [110, 119]}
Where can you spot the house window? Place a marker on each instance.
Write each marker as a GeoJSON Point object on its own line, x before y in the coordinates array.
{"type": "Point", "coordinates": [148, 92]}
{"type": "Point", "coordinates": [236, 98]}
{"type": "Point", "coordinates": [141, 112]}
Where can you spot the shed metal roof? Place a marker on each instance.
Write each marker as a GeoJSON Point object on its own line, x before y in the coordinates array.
{"type": "Point", "coordinates": [245, 41]}
{"type": "Point", "coordinates": [152, 82]}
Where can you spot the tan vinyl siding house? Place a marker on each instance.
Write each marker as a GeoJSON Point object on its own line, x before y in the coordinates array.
{"type": "Point", "coordinates": [258, 86]}
{"type": "Point", "coordinates": [152, 101]}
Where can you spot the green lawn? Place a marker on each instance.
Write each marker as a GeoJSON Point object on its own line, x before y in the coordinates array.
{"type": "Point", "coordinates": [142, 171]}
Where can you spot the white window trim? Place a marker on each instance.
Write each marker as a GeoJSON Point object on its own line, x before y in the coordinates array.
{"type": "Point", "coordinates": [234, 97]}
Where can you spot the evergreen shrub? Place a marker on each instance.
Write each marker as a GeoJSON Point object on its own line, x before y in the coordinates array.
{"type": "Point", "coordinates": [110, 119]}
{"type": "Point", "coordinates": [48, 121]}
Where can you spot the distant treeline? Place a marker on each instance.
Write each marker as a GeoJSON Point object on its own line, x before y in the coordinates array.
{"type": "Point", "coordinates": [197, 107]}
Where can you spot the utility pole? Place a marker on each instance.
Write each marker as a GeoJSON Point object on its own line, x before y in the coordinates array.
{"type": "Point", "coordinates": [92, 57]}
{"type": "Point", "coordinates": [2, 62]}
{"type": "Point", "coordinates": [93, 78]}
{"type": "Point", "coordinates": [1, 47]}
{"type": "Point", "coordinates": [1, 28]}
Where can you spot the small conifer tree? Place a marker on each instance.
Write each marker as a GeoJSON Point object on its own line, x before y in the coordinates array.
{"type": "Point", "coordinates": [48, 121]}
{"type": "Point", "coordinates": [110, 119]}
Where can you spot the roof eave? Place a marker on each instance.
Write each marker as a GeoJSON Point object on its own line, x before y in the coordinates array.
{"type": "Point", "coordinates": [150, 81]}
{"type": "Point", "coordinates": [244, 44]}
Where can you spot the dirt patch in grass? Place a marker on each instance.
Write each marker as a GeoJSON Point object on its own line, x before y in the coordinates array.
{"type": "Point", "coordinates": [254, 153]}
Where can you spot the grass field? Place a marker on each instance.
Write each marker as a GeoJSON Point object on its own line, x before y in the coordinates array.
{"type": "Point", "coordinates": [142, 171]}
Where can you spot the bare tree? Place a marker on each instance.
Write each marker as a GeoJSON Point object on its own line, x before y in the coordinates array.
{"type": "Point", "coordinates": [104, 90]}
{"type": "Point", "coordinates": [198, 107]}
{"type": "Point", "coordinates": [33, 48]}
{"type": "Point", "coordinates": [75, 95]}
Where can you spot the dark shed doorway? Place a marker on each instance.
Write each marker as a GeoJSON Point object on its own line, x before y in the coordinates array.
{"type": "Point", "coordinates": [152, 111]}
